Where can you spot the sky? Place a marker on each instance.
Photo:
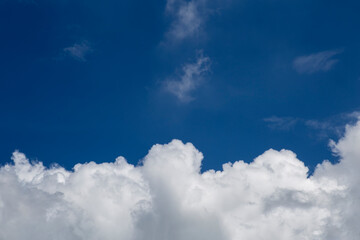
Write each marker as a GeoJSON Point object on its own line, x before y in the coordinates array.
{"type": "Point", "coordinates": [95, 80]}
{"type": "Point", "coordinates": [181, 119]}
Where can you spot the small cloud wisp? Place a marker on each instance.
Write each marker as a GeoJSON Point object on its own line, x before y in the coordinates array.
{"type": "Point", "coordinates": [190, 79]}
{"type": "Point", "coordinates": [317, 62]}
{"type": "Point", "coordinates": [79, 51]}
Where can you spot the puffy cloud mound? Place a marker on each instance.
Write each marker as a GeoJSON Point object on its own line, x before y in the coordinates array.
{"type": "Point", "coordinates": [168, 197]}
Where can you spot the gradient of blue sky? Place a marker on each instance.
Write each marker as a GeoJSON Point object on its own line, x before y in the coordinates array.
{"type": "Point", "coordinates": [85, 79]}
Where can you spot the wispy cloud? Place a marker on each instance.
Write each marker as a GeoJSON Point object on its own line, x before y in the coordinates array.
{"type": "Point", "coordinates": [332, 125]}
{"type": "Point", "coordinates": [79, 51]}
{"type": "Point", "coordinates": [324, 128]}
{"type": "Point", "coordinates": [317, 62]}
{"type": "Point", "coordinates": [283, 123]}
{"type": "Point", "coordinates": [187, 19]}
{"type": "Point", "coordinates": [190, 79]}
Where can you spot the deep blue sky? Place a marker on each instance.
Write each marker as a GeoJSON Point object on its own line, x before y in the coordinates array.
{"type": "Point", "coordinates": [84, 80]}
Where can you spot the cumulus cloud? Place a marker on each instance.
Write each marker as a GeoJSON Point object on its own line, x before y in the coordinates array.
{"type": "Point", "coordinates": [317, 62]}
{"type": "Point", "coordinates": [189, 80]}
{"type": "Point", "coordinates": [168, 197]}
{"type": "Point", "coordinates": [79, 51]}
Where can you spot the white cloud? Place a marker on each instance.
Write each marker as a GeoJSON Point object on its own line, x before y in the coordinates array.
{"type": "Point", "coordinates": [188, 17]}
{"type": "Point", "coordinates": [167, 197]}
{"type": "Point", "coordinates": [323, 128]}
{"type": "Point", "coordinates": [283, 123]}
{"type": "Point", "coordinates": [190, 79]}
{"type": "Point", "coordinates": [79, 51]}
{"type": "Point", "coordinates": [317, 62]}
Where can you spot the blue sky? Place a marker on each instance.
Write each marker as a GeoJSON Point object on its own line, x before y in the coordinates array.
{"type": "Point", "coordinates": [92, 80]}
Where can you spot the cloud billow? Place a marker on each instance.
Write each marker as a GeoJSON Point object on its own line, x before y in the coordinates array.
{"type": "Point", "coordinates": [168, 197]}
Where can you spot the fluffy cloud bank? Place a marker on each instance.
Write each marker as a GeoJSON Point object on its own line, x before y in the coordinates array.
{"type": "Point", "coordinates": [168, 197]}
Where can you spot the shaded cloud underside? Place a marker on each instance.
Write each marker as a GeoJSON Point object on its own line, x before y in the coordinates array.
{"type": "Point", "coordinates": [169, 198]}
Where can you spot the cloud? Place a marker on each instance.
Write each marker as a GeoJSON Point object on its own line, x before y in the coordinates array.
{"type": "Point", "coordinates": [168, 197]}
{"type": "Point", "coordinates": [187, 18]}
{"type": "Point", "coordinates": [79, 51]}
{"type": "Point", "coordinates": [283, 123]}
{"type": "Point", "coordinates": [190, 79]}
{"type": "Point", "coordinates": [324, 128]}
{"type": "Point", "coordinates": [332, 125]}
{"type": "Point", "coordinates": [317, 62]}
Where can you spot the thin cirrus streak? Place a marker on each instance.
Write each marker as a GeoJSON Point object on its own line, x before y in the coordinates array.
{"type": "Point", "coordinates": [324, 128]}
{"type": "Point", "coordinates": [317, 62]}
{"type": "Point", "coordinates": [168, 197]}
